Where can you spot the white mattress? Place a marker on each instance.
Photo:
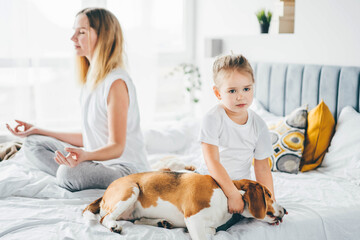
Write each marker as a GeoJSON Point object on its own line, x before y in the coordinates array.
{"type": "Point", "coordinates": [32, 206]}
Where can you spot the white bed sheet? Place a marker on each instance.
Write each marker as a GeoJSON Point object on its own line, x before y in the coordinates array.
{"type": "Point", "coordinates": [32, 206]}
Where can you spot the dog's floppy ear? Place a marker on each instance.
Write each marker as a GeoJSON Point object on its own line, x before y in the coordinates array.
{"type": "Point", "coordinates": [255, 198]}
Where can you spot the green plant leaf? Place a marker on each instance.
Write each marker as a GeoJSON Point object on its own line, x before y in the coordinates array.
{"type": "Point", "coordinates": [269, 16]}
{"type": "Point", "coordinates": [263, 17]}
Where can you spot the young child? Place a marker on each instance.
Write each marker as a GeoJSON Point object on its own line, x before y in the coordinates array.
{"type": "Point", "coordinates": [232, 135]}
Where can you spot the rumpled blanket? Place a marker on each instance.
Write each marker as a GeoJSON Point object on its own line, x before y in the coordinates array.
{"type": "Point", "coordinates": [9, 149]}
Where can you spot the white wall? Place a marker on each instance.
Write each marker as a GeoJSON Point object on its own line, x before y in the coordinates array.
{"type": "Point", "coordinates": [326, 32]}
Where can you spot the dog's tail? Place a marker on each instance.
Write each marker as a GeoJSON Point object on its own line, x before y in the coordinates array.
{"type": "Point", "coordinates": [92, 209]}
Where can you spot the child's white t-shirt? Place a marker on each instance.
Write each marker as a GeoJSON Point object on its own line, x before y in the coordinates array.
{"type": "Point", "coordinates": [238, 144]}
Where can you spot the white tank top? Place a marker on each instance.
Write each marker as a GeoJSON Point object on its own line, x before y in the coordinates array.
{"type": "Point", "coordinates": [95, 122]}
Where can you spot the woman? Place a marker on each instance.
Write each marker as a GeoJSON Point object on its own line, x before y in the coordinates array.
{"type": "Point", "coordinates": [111, 138]}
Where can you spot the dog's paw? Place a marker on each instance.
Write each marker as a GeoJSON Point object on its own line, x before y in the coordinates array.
{"type": "Point", "coordinates": [165, 224]}
{"type": "Point", "coordinates": [190, 168]}
{"type": "Point", "coordinates": [116, 229]}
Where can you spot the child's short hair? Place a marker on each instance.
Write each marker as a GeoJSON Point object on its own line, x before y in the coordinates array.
{"type": "Point", "coordinates": [229, 63]}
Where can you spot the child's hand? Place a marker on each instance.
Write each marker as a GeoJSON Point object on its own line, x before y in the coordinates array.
{"type": "Point", "coordinates": [235, 203]}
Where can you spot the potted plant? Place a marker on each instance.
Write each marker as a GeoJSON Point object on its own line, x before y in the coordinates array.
{"type": "Point", "coordinates": [264, 20]}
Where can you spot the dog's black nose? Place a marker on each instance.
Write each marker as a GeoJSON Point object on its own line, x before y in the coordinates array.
{"type": "Point", "coordinates": [285, 212]}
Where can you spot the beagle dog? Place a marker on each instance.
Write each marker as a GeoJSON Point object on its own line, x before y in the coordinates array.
{"type": "Point", "coordinates": [179, 199]}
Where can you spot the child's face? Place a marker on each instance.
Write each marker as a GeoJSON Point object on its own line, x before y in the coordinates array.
{"type": "Point", "coordinates": [84, 38]}
{"type": "Point", "coordinates": [236, 91]}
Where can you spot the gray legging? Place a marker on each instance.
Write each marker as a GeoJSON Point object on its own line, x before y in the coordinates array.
{"type": "Point", "coordinates": [40, 150]}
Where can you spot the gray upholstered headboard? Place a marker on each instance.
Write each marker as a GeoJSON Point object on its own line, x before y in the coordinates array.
{"type": "Point", "coordinates": [283, 87]}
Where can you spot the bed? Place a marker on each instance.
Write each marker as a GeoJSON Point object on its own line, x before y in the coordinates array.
{"type": "Point", "coordinates": [323, 203]}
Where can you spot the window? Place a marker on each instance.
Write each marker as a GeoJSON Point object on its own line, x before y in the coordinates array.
{"type": "Point", "coordinates": [159, 36]}
{"type": "Point", "coordinates": [37, 77]}
{"type": "Point", "coordinates": [36, 63]}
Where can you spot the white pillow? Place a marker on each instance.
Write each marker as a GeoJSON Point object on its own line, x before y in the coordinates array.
{"type": "Point", "coordinates": [267, 116]}
{"type": "Point", "coordinates": [170, 137]}
{"type": "Point", "coordinates": [352, 173]}
{"type": "Point", "coordinates": [163, 140]}
{"type": "Point", "coordinates": [345, 144]}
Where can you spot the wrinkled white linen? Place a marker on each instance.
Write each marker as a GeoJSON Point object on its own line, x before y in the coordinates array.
{"type": "Point", "coordinates": [32, 206]}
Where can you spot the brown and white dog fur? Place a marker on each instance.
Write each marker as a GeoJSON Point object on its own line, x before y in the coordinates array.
{"type": "Point", "coordinates": [187, 200]}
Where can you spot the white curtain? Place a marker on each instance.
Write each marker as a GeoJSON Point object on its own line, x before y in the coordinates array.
{"type": "Point", "coordinates": [37, 80]}
{"type": "Point", "coordinates": [37, 77]}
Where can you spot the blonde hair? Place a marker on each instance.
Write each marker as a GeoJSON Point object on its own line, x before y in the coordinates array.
{"type": "Point", "coordinates": [108, 53]}
{"type": "Point", "coordinates": [225, 65]}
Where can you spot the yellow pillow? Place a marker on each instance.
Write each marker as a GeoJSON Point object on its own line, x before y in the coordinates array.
{"type": "Point", "coordinates": [319, 132]}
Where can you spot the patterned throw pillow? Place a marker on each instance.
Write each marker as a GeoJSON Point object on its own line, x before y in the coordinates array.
{"type": "Point", "coordinates": [287, 137]}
